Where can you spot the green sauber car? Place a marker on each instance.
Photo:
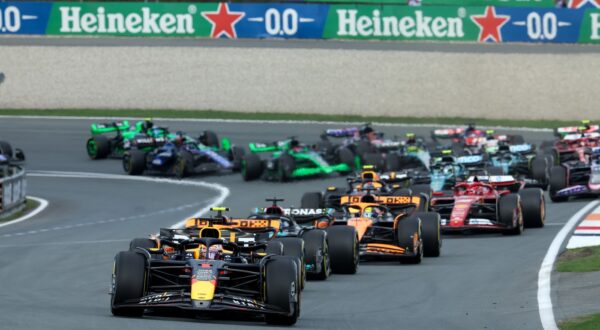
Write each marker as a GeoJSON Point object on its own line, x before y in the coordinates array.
{"type": "Point", "coordinates": [115, 138]}
{"type": "Point", "coordinates": [112, 139]}
{"type": "Point", "coordinates": [288, 159]}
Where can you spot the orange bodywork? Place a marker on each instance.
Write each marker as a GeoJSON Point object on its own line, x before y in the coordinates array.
{"type": "Point", "coordinates": [385, 248]}
{"type": "Point", "coordinates": [361, 225]}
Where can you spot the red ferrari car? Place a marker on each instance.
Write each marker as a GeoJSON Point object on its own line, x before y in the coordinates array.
{"type": "Point", "coordinates": [498, 203]}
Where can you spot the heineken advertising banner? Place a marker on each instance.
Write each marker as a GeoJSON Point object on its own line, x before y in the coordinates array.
{"type": "Point", "coordinates": [312, 21]}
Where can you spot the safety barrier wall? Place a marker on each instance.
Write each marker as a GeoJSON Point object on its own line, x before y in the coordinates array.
{"type": "Point", "coordinates": [13, 187]}
{"type": "Point", "coordinates": [313, 21]}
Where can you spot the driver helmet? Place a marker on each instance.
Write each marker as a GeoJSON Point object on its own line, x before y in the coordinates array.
{"type": "Point", "coordinates": [369, 212]}
{"type": "Point", "coordinates": [147, 125]}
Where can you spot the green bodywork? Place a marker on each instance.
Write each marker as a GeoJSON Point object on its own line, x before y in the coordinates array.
{"type": "Point", "coordinates": [126, 132]}
{"type": "Point", "coordinates": [307, 161]}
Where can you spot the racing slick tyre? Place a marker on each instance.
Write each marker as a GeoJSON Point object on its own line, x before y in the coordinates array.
{"type": "Point", "coordinates": [144, 243]}
{"type": "Point", "coordinates": [509, 212]}
{"type": "Point", "coordinates": [98, 147]}
{"type": "Point", "coordinates": [392, 162]}
{"type": "Point", "coordinates": [129, 274]}
{"type": "Point", "coordinates": [274, 247]}
{"type": "Point", "coordinates": [343, 249]}
{"type": "Point", "coordinates": [332, 198]}
{"type": "Point", "coordinates": [282, 290]}
{"type": "Point", "coordinates": [252, 167]}
{"type": "Point", "coordinates": [209, 139]}
{"type": "Point", "coordinates": [539, 170]}
{"type": "Point", "coordinates": [363, 147]}
{"type": "Point", "coordinates": [423, 189]}
{"type": "Point", "coordinates": [317, 254]}
{"type": "Point", "coordinates": [6, 149]}
{"type": "Point", "coordinates": [558, 181]}
{"type": "Point", "coordinates": [294, 247]}
{"type": "Point", "coordinates": [184, 166]}
{"type": "Point", "coordinates": [374, 159]}
{"type": "Point", "coordinates": [431, 233]}
{"type": "Point", "coordinates": [406, 231]}
{"type": "Point", "coordinates": [326, 147]}
{"type": "Point", "coordinates": [346, 156]}
{"type": "Point", "coordinates": [236, 155]}
{"type": "Point", "coordinates": [134, 162]}
{"type": "Point", "coordinates": [533, 207]}
{"type": "Point", "coordinates": [285, 167]}
{"type": "Point", "coordinates": [311, 200]}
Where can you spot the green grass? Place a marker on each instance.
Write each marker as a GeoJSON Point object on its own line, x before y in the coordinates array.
{"type": "Point", "coordinates": [29, 206]}
{"type": "Point", "coordinates": [213, 114]}
{"type": "Point", "coordinates": [588, 322]}
{"type": "Point", "coordinates": [585, 259]}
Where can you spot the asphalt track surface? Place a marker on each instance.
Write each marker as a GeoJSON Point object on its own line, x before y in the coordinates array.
{"type": "Point", "coordinates": [55, 268]}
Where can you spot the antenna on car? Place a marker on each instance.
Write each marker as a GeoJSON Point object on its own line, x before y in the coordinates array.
{"type": "Point", "coordinates": [274, 200]}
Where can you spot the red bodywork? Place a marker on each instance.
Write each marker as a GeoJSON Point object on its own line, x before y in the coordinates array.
{"type": "Point", "coordinates": [578, 145]}
{"type": "Point", "coordinates": [474, 205]}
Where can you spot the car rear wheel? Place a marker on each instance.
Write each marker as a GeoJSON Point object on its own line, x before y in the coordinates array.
{"type": "Point", "coordinates": [534, 207]}
{"type": "Point", "coordinates": [98, 147]}
{"type": "Point", "coordinates": [510, 214]}
{"type": "Point", "coordinates": [409, 230]}
{"type": "Point", "coordinates": [236, 155]}
{"type": "Point", "coordinates": [184, 166]}
{"type": "Point", "coordinates": [129, 276]}
{"type": "Point", "coordinates": [431, 233]}
{"type": "Point", "coordinates": [317, 254]}
{"type": "Point", "coordinates": [210, 139]}
{"type": "Point", "coordinates": [252, 167]}
{"type": "Point", "coordinates": [285, 167]}
{"type": "Point", "coordinates": [294, 247]}
{"type": "Point", "coordinates": [539, 170]}
{"type": "Point", "coordinates": [311, 200]}
{"type": "Point", "coordinates": [558, 181]}
{"type": "Point", "coordinates": [134, 162]}
{"type": "Point", "coordinates": [346, 156]}
{"type": "Point", "coordinates": [343, 249]}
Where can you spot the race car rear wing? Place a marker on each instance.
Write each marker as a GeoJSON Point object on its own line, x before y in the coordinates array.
{"type": "Point", "coordinates": [268, 147]}
{"type": "Point", "coordinates": [117, 126]}
{"type": "Point", "coordinates": [562, 131]}
{"type": "Point", "coordinates": [447, 133]}
{"type": "Point", "coordinates": [385, 200]}
{"type": "Point", "coordinates": [146, 142]}
{"type": "Point", "coordinates": [233, 223]}
{"type": "Point", "coordinates": [342, 132]}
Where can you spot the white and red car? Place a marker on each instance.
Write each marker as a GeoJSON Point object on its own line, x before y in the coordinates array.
{"type": "Point", "coordinates": [498, 203]}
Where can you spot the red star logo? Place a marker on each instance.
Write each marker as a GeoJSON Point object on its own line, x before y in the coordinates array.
{"type": "Point", "coordinates": [581, 3]}
{"type": "Point", "coordinates": [490, 24]}
{"type": "Point", "coordinates": [223, 21]}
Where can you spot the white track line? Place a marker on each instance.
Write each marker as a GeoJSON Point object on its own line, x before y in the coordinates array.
{"type": "Point", "coordinates": [43, 205]}
{"type": "Point", "coordinates": [544, 276]}
{"type": "Point", "coordinates": [254, 121]}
